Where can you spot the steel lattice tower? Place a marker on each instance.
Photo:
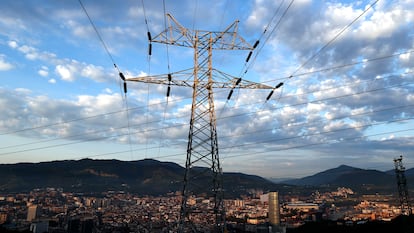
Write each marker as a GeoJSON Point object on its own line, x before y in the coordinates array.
{"type": "Point", "coordinates": [402, 186]}
{"type": "Point", "coordinates": [203, 173]}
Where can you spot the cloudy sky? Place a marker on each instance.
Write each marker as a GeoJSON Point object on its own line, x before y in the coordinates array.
{"type": "Point", "coordinates": [347, 69]}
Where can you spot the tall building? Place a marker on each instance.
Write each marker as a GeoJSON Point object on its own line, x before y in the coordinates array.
{"type": "Point", "coordinates": [33, 212]}
{"type": "Point", "coordinates": [274, 212]}
{"type": "Point", "coordinates": [274, 209]}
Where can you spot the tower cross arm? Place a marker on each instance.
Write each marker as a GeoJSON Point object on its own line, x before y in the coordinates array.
{"type": "Point", "coordinates": [179, 78]}
{"type": "Point", "coordinates": [185, 78]}
{"type": "Point", "coordinates": [176, 34]}
{"type": "Point", "coordinates": [229, 39]}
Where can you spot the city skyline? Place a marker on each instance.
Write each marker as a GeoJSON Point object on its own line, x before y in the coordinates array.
{"type": "Point", "coordinates": [346, 67]}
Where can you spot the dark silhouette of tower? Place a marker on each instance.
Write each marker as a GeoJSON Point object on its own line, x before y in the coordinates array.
{"type": "Point", "coordinates": [402, 186]}
{"type": "Point", "coordinates": [203, 173]}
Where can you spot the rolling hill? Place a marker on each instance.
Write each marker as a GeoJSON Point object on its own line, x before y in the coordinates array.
{"type": "Point", "coordinates": [362, 180]}
{"type": "Point", "coordinates": [148, 177]}
{"type": "Point", "coordinates": [152, 177]}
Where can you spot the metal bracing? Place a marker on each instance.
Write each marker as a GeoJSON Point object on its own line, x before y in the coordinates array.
{"type": "Point", "coordinates": [203, 173]}
{"type": "Point", "coordinates": [402, 186]}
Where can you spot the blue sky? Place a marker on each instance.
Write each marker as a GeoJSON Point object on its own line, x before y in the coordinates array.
{"type": "Point", "coordinates": [348, 101]}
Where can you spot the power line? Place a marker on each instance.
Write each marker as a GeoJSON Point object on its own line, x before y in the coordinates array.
{"type": "Point", "coordinates": [300, 74]}
{"type": "Point", "coordinates": [326, 99]}
{"type": "Point", "coordinates": [319, 143]}
{"type": "Point", "coordinates": [317, 133]}
{"type": "Point", "coordinates": [335, 37]}
{"type": "Point", "coordinates": [90, 117]}
{"type": "Point", "coordinates": [247, 133]}
{"type": "Point", "coordinates": [169, 76]}
{"type": "Point", "coordinates": [255, 153]}
{"type": "Point", "coordinates": [271, 140]}
{"type": "Point", "coordinates": [247, 65]}
{"type": "Point", "coordinates": [317, 123]}
{"type": "Point", "coordinates": [113, 62]}
{"type": "Point", "coordinates": [99, 35]}
{"type": "Point", "coordinates": [364, 61]}
{"type": "Point", "coordinates": [83, 118]}
{"type": "Point", "coordinates": [231, 116]}
{"type": "Point", "coordinates": [322, 48]}
{"type": "Point", "coordinates": [270, 34]}
{"type": "Point", "coordinates": [224, 136]}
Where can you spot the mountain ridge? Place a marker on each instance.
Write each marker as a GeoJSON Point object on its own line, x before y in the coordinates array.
{"type": "Point", "coordinates": [153, 177]}
{"type": "Point", "coordinates": [147, 177]}
{"type": "Point", "coordinates": [356, 178]}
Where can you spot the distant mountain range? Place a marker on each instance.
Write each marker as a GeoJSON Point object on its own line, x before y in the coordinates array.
{"type": "Point", "coordinates": [152, 177]}
{"type": "Point", "coordinates": [147, 177]}
{"type": "Point", "coordinates": [356, 178]}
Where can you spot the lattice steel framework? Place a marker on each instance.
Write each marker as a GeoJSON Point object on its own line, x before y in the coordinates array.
{"type": "Point", "coordinates": [203, 173]}
{"type": "Point", "coordinates": [402, 186]}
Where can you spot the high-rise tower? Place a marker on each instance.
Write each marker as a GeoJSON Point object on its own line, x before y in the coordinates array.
{"type": "Point", "coordinates": [33, 212]}
{"type": "Point", "coordinates": [274, 211]}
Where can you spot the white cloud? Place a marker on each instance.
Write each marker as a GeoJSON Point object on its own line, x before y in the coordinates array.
{"type": "Point", "coordinates": [52, 81]}
{"type": "Point", "coordinates": [135, 12]}
{"type": "Point", "coordinates": [13, 44]}
{"type": "Point", "coordinates": [93, 72]}
{"type": "Point", "coordinates": [44, 71]}
{"type": "Point", "coordinates": [381, 24]}
{"type": "Point", "coordinates": [100, 103]}
{"type": "Point", "coordinates": [258, 14]}
{"type": "Point", "coordinates": [66, 69]}
{"type": "Point", "coordinates": [81, 31]}
{"type": "Point", "coordinates": [32, 53]}
{"type": "Point", "coordinates": [65, 73]}
{"type": "Point", "coordinates": [26, 49]}
{"type": "Point", "coordinates": [4, 65]}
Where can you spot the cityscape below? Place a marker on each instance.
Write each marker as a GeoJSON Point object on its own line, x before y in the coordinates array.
{"type": "Point", "coordinates": [308, 102]}
{"type": "Point", "coordinates": [286, 208]}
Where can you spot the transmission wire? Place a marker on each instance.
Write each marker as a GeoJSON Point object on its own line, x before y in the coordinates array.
{"type": "Point", "coordinates": [253, 153]}
{"type": "Point", "coordinates": [168, 87]}
{"type": "Point", "coordinates": [177, 100]}
{"type": "Point", "coordinates": [116, 67]}
{"type": "Point", "coordinates": [149, 73]}
{"type": "Point", "coordinates": [173, 126]}
{"type": "Point", "coordinates": [335, 37]}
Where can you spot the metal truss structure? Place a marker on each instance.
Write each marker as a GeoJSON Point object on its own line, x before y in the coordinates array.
{"type": "Point", "coordinates": [203, 173]}
{"type": "Point", "coordinates": [402, 186]}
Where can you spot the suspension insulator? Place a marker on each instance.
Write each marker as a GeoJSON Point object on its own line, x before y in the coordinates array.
{"type": "Point", "coordinates": [125, 87]}
{"type": "Point", "coordinates": [168, 91]}
{"type": "Point", "coordinates": [256, 44]}
{"type": "Point", "coordinates": [270, 95]}
{"type": "Point", "coordinates": [122, 76]}
{"type": "Point", "coordinates": [231, 93]}
{"type": "Point", "coordinates": [279, 85]}
{"type": "Point", "coordinates": [149, 36]}
{"type": "Point", "coordinates": [238, 81]}
{"type": "Point", "coordinates": [248, 56]}
{"type": "Point", "coordinates": [150, 49]}
{"type": "Point", "coordinates": [169, 77]}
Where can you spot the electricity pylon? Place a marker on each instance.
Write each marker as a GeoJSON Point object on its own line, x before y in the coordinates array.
{"type": "Point", "coordinates": [402, 186]}
{"type": "Point", "coordinates": [203, 173]}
